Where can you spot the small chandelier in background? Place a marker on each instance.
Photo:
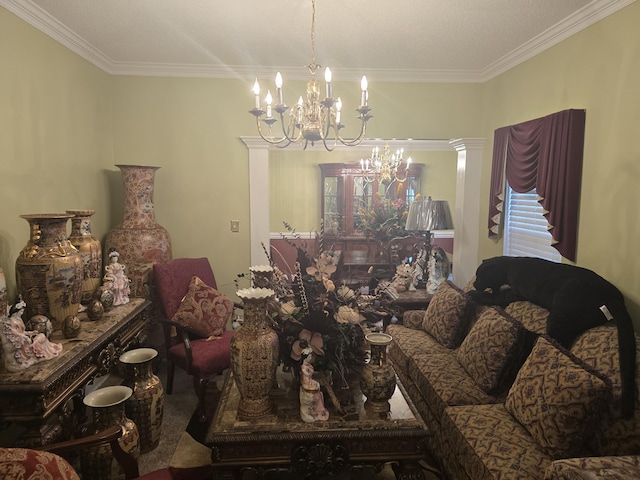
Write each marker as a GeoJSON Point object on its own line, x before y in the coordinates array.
{"type": "Point", "coordinates": [386, 166]}
{"type": "Point", "coordinates": [311, 120]}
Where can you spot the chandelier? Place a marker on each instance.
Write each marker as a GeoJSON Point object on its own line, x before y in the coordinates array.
{"type": "Point", "coordinates": [386, 166]}
{"type": "Point", "coordinates": [311, 120]}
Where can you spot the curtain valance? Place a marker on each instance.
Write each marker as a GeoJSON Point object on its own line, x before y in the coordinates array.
{"type": "Point", "coordinates": [545, 154]}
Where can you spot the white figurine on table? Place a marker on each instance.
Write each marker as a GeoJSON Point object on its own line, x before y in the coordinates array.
{"type": "Point", "coordinates": [22, 348]}
{"type": "Point", "coordinates": [116, 280]}
{"type": "Point", "coordinates": [311, 398]}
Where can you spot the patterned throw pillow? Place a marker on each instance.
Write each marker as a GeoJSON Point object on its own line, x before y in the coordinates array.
{"type": "Point", "coordinates": [494, 349]}
{"type": "Point", "coordinates": [447, 316]}
{"type": "Point", "coordinates": [203, 311]}
{"type": "Point", "coordinates": [557, 399]}
{"type": "Point", "coordinates": [33, 464]}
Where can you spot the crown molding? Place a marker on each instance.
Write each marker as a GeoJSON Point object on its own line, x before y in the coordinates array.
{"type": "Point", "coordinates": [583, 18]}
{"type": "Point", "coordinates": [413, 144]}
{"type": "Point", "coordinates": [41, 20]}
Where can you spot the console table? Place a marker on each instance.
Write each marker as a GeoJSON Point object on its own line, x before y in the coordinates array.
{"type": "Point", "coordinates": [38, 399]}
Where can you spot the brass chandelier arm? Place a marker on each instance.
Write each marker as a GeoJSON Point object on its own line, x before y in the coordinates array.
{"type": "Point", "coordinates": [278, 142]}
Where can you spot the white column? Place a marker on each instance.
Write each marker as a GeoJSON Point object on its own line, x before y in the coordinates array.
{"type": "Point", "coordinates": [466, 221]}
{"type": "Point", "coordinates": [258, 197]}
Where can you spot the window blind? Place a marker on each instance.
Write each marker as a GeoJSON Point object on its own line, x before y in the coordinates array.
{"type": "Point", "coordinates": [525, 232]}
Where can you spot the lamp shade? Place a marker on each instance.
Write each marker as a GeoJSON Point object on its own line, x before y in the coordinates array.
{"type": "Point", "coordinates": [427, 215]}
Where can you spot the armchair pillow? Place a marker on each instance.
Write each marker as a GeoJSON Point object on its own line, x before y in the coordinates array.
{"type": "Point", "coordinates": [494, 349]}
{"type": "Point", "coordinates": [203, 311]}
{"type": "Point", "coordinates": [33, 464]}
{"type": "Point", "coordinates": [448, 314]}
{"type": "Point", "coordinates": [557, 398]}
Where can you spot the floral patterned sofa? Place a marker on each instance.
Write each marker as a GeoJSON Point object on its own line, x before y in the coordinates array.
{"type": "Point", "coordinates": [504, 401]}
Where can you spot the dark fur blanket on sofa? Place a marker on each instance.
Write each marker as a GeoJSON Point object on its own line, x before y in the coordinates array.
{"type": "Point", "coordinates": [577, 299]}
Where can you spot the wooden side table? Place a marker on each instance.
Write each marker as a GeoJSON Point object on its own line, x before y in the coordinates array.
{"type": "Point", "coordinates": [413, 299]}
{"type": "Point", "coordinates": [400, 302]}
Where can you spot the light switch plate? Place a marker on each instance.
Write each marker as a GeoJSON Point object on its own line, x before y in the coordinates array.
{"type": "Point", "coordinates": [235, 226]}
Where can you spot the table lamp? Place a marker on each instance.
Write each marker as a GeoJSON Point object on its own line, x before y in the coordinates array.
{"type": "Point", "coordinates": [426, 216]}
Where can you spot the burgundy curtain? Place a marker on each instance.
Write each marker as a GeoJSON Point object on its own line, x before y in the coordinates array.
{"type": "Point", "coordinates": [545, 154]}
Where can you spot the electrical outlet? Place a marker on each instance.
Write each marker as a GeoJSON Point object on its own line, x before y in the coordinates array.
{"type": "Point", "coordinates": [235, 226]}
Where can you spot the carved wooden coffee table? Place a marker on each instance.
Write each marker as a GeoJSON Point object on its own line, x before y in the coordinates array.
{"type": "Point", "coordinates": [280, 444]}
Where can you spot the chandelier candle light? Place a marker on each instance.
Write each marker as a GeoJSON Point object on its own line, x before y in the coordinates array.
{"type": "Point", "coordinates": [312, 120]}
{"type": "Point", "coordinates": [385, 165]}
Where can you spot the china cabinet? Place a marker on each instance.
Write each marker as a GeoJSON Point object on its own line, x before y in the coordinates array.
{"type": "Point", "coordinates": [346, 192]}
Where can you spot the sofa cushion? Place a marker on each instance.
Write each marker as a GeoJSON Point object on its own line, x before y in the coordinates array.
{"type": "Point", "coordinates": [443, 381]}
{"type": "Point", "coordinates": [447, 316]}
{"type": "Point", "coordinates": [486, 442]}
{"type": "Point", "coordinates": [494, 349]}
{"type": "Point", "coordinates": [557, 398]}
{"type": "Point", "coordinates": [612, 467]}
{"type": "Point", "coordinates": [598, 348]}
{"type": "Point", "coordinates": [203, 311]}
{"type": "Point", "coordinates": [532, 316]}
{"type": "Point", "coordinates": [408, 342]}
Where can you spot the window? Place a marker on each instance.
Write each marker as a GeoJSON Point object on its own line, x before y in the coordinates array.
{"type": "Point", "coordinates": [525, 232]}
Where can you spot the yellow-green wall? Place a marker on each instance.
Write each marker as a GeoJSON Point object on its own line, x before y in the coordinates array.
{"type": "Point", "coordinates": [598, 70]}
{"type": "Point", "coordinates": [64, 124]}
{"type": "Point", "coordinates": [56, 140]}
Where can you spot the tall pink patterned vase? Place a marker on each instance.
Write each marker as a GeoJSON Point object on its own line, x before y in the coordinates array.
{"type": "Point", "coordinates": [138, 238]}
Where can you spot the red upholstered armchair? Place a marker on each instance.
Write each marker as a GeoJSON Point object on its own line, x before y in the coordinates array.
{"type": "Point", "coordinates": [49, 461]}
{"type": "Point", "coordinates": [200, 357]}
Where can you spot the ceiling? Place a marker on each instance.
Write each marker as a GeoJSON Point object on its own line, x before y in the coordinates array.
{"type": "Point", "coordinates": [398, 40]}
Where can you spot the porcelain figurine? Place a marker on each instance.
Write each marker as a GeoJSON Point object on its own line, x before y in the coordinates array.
{"type": "Point", "coordinates": [438, 268]}
{"type": "Point", "coordinates": [312, 407]}
{"type": "Point", "coordinates": [116, 280]}
{"type": "Point", "coordinates": [22, 348]}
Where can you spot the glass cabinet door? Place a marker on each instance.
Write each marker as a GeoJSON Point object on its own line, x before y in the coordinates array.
{"type": "Point", "coordinates": [332, 204]}
{"type": "Point", "coordinates": [362, 198]}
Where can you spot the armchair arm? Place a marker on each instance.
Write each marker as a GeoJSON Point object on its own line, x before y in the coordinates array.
{"type": "Point", "coordinates": [110, 437]}
{"type": "Point", "coordinates": [413, 319]}
{"type": "Point", "coordinates": [184, 338]}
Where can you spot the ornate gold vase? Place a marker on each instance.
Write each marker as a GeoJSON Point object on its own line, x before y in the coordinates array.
{"type": "Point", "coordinates": [107, 407]}
{"type": "Point", "coordinates": [254, 354]}
{"type": "Point", "coordinates": [90, 250]}
{"type": "Point", "coordinates": [378, 380]}
{"type": "Point", "coordinates": [146, 404]}
{"type": "Point", "coordinates": [261, 276]}
{"type": "Point", "coordinates": [49, 269]}
{"type": "Point", "coordinates": [138, 238]}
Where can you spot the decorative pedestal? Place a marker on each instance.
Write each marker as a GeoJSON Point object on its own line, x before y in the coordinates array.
{"type": "Point", "coordinates": [146, 404]}
{"type": "Point", "coordinates": [90, 250]}
{"type": "Point", "coordinates": [49, 270]}
{"type": "Point", "coordinates": [378, 380]}
{"type": "Point", "coordinates": [254, 354]}
{"type": "Point", "coordinates": [107, 410]}
{"type": "Point", "coordinates": [139, 240]}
